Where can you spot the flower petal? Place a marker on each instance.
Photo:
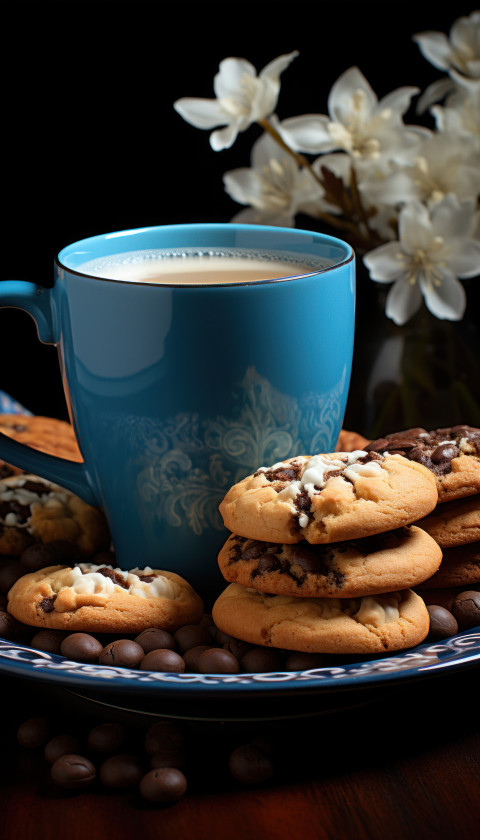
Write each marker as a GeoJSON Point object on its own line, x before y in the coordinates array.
{"type": "Point", "coordinates": [447, 300]}
{"type": "Point", "coordinates": [224, 137]}
{"type": "Point", "coordinates": [383, 263]}
{"type": "Point", "coordinates": [435, 47]}
{"type": "Point", "coordinates": [464, 260]}
{"type": "Point", "coordinates": [278, 65]}
{"type": "Point", "coordinates": [227, 82]}
{"type": "Point", "coordinates": [403, 300]}
{"type": "Point", "coordinates": [202, 113]}
{"type": "Point", "coordinates": [398, 100]}
{"type": "Point", "coordinates": [341, 95]}
{"type": "Point", "coordinates": [308, 134]}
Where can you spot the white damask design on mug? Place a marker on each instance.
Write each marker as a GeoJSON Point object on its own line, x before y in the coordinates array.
{"type": "Point", "coordinates": [190, 463]}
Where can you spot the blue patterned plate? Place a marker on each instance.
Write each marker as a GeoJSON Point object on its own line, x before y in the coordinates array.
{"type": "Point", "coordinates": [460, 651]}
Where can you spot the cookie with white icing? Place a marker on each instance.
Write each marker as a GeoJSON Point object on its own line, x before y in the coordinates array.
{"type": "Point", "coordinates": [398, 559]}
{"type": "Point", "coordinates": [102, 599]}
{"type": "Point", "coordinates": [373, 624]}
{"type": "Point", "coordinates": [33, 509]}
{"type": "Point", "coordinates": [451, 453]}
{"type": "Point", "coordinates": [329, 498]}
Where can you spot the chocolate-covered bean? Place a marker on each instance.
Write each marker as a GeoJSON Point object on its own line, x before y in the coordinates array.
{"type": "Point", "coordinates": [192, 635]}
{"type": "Point", "coordinates": [154, 638]}
{"type": "Point", "coordinates": [33, 733]}
{"type": "Point", "coordinates": [81, 646]}
{"type": "Point", "coordinates": [163, 660]}
{"type": "Point", "coordinates": [121, 771]}
{"type": "Point", "coordinates": [466, 608]}
{"type": "Point", "coordinates": [218, 661]}
{"type": "Point", "coordinates": [106, 738]}
{"type": "Point", "coordinates": [164, 784]}
{"type": "Point", "coordinates": [259, 660]}
{"type": "Point", "coordinates": [73, 772]}
{"type": "Point", "coordinates": [123, 653]}
{"type": "Point", "coordinates": [61, 745]}
{"type": "Point", "coordinates": [442, 623]}
{"type": "Point", "coordinates": [49, 641]}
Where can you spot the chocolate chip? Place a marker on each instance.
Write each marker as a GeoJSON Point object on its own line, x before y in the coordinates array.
{"type": "Point", "coordinates": [106, 738]}
{"type": "Point", "coordinates": [33, 733]}
{"type": "Point", "coordinates": [73, 772]}
{"type": "Point", "coordinates": [250, 765]}
{"type": "Point", "coordinates": [116, 577]}
{"type": "Point", "coordinates": [82, 647]}
{"type": "Point", "coordinates": [165, 784]}
{"type": "Point", "coordinates": [163, 660]}
{"type": "Point", "coordinates": [466, 608]}
{"type": "Point", "coordinates": [442, 623]}
{"type": "Point", "coordinates": [444, 452]}
{"type": "Point", "coordinates": [154, 638]}
{"type": "Point", "coordinates": [191, 635]}
{"type": "Point", "coordinates": [218, 661]}
{"type": "Point", "coordinates": [47, 605]}
{"type": "Point", "coordinates": [123, 653]}
{"type": "Point", "coordinates": [121, 771]}
{"type": "Point", "coordinates": [61, 745]}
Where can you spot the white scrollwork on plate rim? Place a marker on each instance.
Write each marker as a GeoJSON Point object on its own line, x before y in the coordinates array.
{"type": "Point", "coordinates": [456, 650]}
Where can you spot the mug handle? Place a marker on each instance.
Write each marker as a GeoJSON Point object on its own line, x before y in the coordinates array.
{"type": "Point", "coordinates": [36, 300]}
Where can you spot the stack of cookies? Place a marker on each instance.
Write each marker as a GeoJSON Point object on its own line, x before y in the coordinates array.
{"type": "Point", "coordinates": [323, 554]}
{"type": "Point", "coordinates": [453, 456]}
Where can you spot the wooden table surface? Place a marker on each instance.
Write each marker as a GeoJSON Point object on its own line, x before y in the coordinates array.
{"type": "Point", "coordinates": [401, 762]}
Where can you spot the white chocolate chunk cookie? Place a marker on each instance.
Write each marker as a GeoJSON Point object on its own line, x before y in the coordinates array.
{"type": "Point", "coordinates": [92, 598]}
{"type": "Point", "coordinates": [33, 509]}
{"type": "Point", "coordinates": [385, 562]}
{"type": "Point", "coordinates": [329, 498]}
{"type": "Point", "coordinates": [373, 624]}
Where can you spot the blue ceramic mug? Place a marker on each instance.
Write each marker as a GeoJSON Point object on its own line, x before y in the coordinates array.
{"type": "Point", "coordinates": [176, 392]}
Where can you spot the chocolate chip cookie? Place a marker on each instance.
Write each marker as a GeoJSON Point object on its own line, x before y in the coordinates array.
{"type": "Point", "coordinates": [56, 437]}
{"type": "Point", "coordinates": [329, 498]}
{"type": "Point", "coordinates": [460, 567]}
{"type": "Point", "coordinates": [373, 624]}
{"type": "Point", "coordinates": [382, 563]}
{"type": "Point", "coordinates": [454, 523]}
{"type": "Point", "coordinates": [33, 509]}
{"type": "Point", "coordinates": [452, 454]}
{"type": "Point", "coordinates": [89, 598]}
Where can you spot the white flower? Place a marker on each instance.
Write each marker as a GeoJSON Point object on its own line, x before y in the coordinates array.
{"type": "Point", "coordinates": [434, 249]}
{"type": "Point", "coordinates": [445, 163]}
{"type": "Point", "coordinates": [461, 52]}
{"type": "Point", "coordinates": [242, 98]}
{"type": "Point", "coordinates": [359, 124]}
{"type": "Point", "coordinates": [275, 187]}
{"type": "Point", "coordinates": [461, 114]}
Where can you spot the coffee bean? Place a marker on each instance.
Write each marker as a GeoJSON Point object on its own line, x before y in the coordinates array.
{"type": "Point", "coordinates": [250, 765]}
{"type": "Point", "coordinates": [298, 661]}
{"type": "Point", "coordinates": [191, 657]}
{"type": "Point", "coordinates": [191, 635]}
{"type": "Point", "coordinates": [49, 641]}
{"type": "Point", "coordinates": [165, 784]}
{"type": "Point", "coordinates": [82, 647]}
{"type": "Point", "coordinates": [10, 628]}
{"type": "Point", "coordinates": [261, 660]}
{"type": "Point", "coordinates": [164, 735]}
{"type": "Point", "coordinates": [218, 661]}
{"type": "Point", "coordinates": [442, 623]}
{"type": "Point", "coordinates": [106, 738]}
{"type": "Point", "coordinates": [153, 638]}
{"type": "Point", "coordinates": [123, 653]}
{"type": "Point", "coordinates": [73, 772]}
{"type": "Point", "coordinates": [121, 771]}
{"type": "Point", "coordinates": [466, 608]}
{"type": "Point", "coordinates": [10, 574]}
{"type": "Point", "coordinates": [33, 733]}
{"type": "Point", "coordinates": [61, 745]}
{"type": "Point", "coordinates": [163, 660]}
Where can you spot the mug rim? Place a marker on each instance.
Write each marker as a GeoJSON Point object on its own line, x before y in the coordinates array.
{"type": "Point", "coordinates": [207, 226]}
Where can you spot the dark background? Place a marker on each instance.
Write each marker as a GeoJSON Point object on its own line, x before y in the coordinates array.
{"type": "Point", "coordinates": [91, 142]}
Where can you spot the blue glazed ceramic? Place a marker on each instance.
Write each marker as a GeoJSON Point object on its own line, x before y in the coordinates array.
{"type": "Point", "coordinates": [177, 392]}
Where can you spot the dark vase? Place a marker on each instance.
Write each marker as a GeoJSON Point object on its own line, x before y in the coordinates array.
{"type": "Point", "coordinates": [424, 373]}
